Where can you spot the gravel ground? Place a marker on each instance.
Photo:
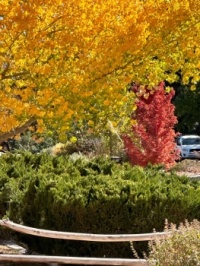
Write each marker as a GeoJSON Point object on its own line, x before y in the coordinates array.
{"type": "Point", "coordinates": [188, 167]}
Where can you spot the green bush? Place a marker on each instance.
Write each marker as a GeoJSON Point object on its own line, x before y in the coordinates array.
{"type": "Point", "coordinates": [92, 196]}
{"type": "Point", "coordinates": [182, 247]}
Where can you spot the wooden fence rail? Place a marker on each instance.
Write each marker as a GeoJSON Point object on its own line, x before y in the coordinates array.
{"type": "Point", "coordinates": [71, 260]}
{"type": "Point", "coordinates": [82, 236]}
{"type": "Point", "coordinates": [77, 236]}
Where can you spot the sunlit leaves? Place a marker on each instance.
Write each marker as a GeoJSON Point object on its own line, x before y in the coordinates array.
{"type": "Point", "coordinates": [72, 60]}
{"type": "Point", "coordinates": [152, 138]}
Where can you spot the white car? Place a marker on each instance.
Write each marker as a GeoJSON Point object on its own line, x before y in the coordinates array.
{"type": "Point", "coordinates": [189, 146]}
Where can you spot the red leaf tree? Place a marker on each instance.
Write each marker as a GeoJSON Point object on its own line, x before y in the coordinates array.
{"type": "Point", "coordinates": [152, 138]}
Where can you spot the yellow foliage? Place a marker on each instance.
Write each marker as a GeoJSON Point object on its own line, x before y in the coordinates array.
{"type": "Point", "coordinates": [64, 60]}
{"type": "Point", "coordinates": [193, 87]}
{"type": "Point", "coordinates": [73, 139]}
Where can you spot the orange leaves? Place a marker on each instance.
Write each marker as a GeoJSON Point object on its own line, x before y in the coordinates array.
{"type": "Point", "coordinates": [152, 139]}
{"type": "Point", "coordinates": [69, 58]}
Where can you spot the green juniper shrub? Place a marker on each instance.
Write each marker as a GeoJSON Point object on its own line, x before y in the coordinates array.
{"type": "Point", "coordinates": [92, 196]}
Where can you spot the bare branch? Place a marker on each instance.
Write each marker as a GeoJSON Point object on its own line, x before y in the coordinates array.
{"type": "Point", "coordinates": [17, 130]}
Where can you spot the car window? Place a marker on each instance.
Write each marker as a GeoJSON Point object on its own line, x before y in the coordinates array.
{"type": "Point", "coordinates": [191, 141]}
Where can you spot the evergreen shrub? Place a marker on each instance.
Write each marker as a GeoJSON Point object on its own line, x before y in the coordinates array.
{"type": "Point", "coordinates": [92, 196]}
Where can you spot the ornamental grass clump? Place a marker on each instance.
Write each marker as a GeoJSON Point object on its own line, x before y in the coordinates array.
{"type": "Point", "coordinates": [180, 248]}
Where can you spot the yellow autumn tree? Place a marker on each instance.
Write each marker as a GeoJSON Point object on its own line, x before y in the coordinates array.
{"type": "Point", "coordinates": [65, 62]}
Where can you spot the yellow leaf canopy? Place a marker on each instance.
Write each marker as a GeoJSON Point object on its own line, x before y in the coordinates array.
{"type": "Point", "coordinates": [64, 61]}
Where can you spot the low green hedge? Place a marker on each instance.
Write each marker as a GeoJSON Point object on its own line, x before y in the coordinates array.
{"type": "Point", "coordinates": [92, 196]}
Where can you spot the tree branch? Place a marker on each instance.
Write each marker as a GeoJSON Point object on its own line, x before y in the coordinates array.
{"type": "Point", "coordinates": [17, 130]}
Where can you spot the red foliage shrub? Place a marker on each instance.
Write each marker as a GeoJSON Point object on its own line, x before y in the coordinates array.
{"type": "Point", "coordinates": [152, 138]}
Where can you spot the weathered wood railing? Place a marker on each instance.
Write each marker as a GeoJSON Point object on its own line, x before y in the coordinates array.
{"type": "Point", "coordinates": [77, 236]}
